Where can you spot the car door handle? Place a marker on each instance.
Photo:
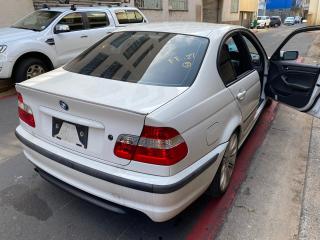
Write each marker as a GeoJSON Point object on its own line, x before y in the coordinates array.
{"type": "Point", "coordinates": [84, 36]}
{"type": "Point", "coordinates": [241, 95]}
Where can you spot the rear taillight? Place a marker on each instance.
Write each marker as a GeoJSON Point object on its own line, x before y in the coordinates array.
{"type": "Point", "coordinates": [156, 145]}
{"type": "Point", "coordinates": [25, 112]}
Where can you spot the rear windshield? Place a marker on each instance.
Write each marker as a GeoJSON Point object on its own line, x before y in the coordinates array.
{"type": "Point", "coordinates": [162, 59]}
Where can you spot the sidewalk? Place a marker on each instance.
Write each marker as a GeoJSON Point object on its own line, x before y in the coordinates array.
{"type": "Point", "coordinates": [268, 204]}
{"type": "Point", "coordinates": [310, 213]}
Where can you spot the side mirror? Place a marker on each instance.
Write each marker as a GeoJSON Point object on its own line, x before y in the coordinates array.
{"type": "Point", "coordinates": [290, 55]}
{"type": "Point", "coordinates": [255, 59]}
{"type": "Point", "coordinates": [61, 28]}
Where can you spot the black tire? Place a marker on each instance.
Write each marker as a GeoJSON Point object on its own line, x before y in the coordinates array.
{"type": "Point", "coordinates": [214, 189]}
{"type": "Point", "coordinates": [21, 70]}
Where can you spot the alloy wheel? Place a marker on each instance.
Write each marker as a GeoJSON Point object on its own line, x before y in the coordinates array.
{"type": "Point", "coordinates": [35, 70]}
{"type": "Point", "coordinates": [228, 162]}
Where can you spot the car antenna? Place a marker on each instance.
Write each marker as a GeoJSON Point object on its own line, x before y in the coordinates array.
{"type": "Point", "coordinates": [73, 7]}
{"type": "Point", "coordinates": [45, 6]}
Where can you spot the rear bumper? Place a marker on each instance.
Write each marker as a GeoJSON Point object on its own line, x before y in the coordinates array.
{"type": "Point", "coordinates": [160, 198]}
{"type": "Point", "coordinates": [81, 194]}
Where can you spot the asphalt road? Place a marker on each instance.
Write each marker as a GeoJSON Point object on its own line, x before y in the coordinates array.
{"type": "Point", "coordinates": [31, 208]}
{"type": "Point", "coordinates": [273, 37]}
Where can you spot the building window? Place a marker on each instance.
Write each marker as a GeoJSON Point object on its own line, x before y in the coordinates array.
{"type": "Point", "coordinates": [178, 5]}
{"type": "Point", "coordinates": [148, 4]}
{"type": "Point", "coordinates": [234, 6]}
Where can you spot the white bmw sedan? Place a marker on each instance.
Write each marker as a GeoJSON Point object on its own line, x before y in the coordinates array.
{"type": "Point", "coordinates": [152, 116]}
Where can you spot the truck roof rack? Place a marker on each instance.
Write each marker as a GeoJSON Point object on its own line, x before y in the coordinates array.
{"type": "Point", "coordinates": [113, 4]}
{"type": "Point", "coordinates": [68, 3]}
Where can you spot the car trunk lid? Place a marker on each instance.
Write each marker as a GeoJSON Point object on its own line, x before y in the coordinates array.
{"type": "Point", "coordinates": [97, 112]}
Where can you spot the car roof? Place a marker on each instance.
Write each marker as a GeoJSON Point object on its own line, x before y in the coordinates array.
{"type": "Point", "coordinates": [189, 28]}
{"type": "Point", "coordinates": [93, 8]}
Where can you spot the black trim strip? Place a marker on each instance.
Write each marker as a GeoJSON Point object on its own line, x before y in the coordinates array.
{"type": "Point", "coordinates": [81, 194]}
{"type": "Point", "coordinates": [146, 187]}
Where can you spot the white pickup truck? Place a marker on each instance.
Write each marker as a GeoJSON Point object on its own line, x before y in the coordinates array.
{"type": "Point", "coordinates": [50, 37]}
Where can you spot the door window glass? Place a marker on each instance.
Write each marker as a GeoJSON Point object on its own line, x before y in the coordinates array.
{"type": "Point", "coordinates": [254, 53]}
{"type": "Point", "coordinates": [74, 21]}
{"type": "Point", "coordinates": [97, 19]}
{"type": "Point", "coordinates": [233, 60]}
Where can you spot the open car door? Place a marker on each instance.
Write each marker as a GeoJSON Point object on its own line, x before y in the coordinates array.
{"type": "Point", "coordinates": [293, 79]}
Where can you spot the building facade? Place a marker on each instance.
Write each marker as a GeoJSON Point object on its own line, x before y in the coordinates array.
{"type": "Point", "coordinates": [170, 10]}
{"type": "Point", "coordinates": [211, 10]}
{"type": "Point", "coordinates": [314, 13]}
{"type": "Point", "coordinates": [155, 10]}
{"type": "Point", "coordinates": [239, 12]}
{"type": "Point", "coordinates": [11, 11]}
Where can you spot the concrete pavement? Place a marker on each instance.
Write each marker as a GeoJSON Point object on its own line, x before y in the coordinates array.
{"type": "Point", "coordinates": [310, 212]}
{"type": "Point", "coordinates": [268, 204]}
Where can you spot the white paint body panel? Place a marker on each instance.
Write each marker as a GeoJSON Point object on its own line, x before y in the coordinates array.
{"type": "Point", "coordinates": [205, 114]}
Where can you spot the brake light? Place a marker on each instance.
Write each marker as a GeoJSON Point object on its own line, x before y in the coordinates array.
{"type": "Point", "coordinates": [156, 145]}
{"type": "Point", "coordinates": [25, 112]}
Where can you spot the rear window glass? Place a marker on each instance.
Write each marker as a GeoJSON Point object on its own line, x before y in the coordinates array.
{"type": "Point", "coordinates": [129, 16]}
{"type": "Point", "coordinates": [97, 19]}
{"type": "Point", "coordinates": [162, 59]}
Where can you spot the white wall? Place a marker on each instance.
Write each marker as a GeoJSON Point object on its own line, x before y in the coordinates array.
{"type": "Point", "coordinates": [12, 10]}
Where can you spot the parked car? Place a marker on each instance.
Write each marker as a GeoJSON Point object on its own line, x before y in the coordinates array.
{"type": "Point", "coordinates": [49, 38]}
{"type": "Point", "coordinates": [263, 21]}
{"type": "Point", "coordinates": [152, 116]}
{"type": "Point", "coordinates": [297, 19]}
{"type": "Point", "coordinates": [275, 21]}
{"type": "Point", "coordinates": [289, 21]}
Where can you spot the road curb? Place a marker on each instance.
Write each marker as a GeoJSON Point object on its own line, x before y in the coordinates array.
{"type": "Point", "coordinates": [309, 227]}
{"type": "Point", "coordinates": [211, 219]}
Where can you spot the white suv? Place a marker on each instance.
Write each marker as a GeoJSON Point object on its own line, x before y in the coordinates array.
{"type": "Point", "coordinates": [48, 38]}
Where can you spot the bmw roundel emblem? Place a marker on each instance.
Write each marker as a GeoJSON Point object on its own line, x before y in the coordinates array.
{"type": "Point", "coordinates": [63, 105]}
